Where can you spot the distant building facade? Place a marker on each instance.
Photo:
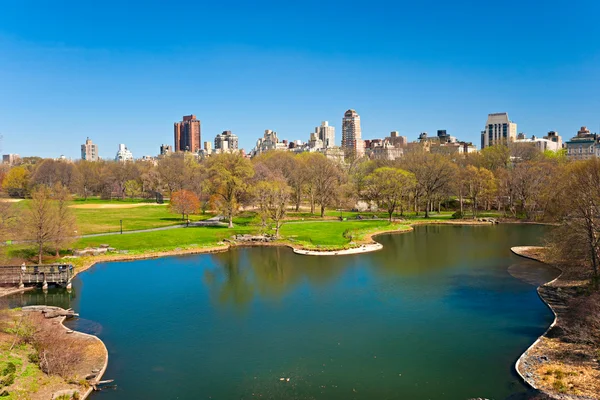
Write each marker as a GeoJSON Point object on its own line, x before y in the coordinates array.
{"type": "Point", "coordinates": [269, 141]}
{"type": "Point", "coordinates": [499, 129]}
{"type": "Point", "coordinates": [89, 151]}
{"type": "Point", "coordinates": [552, 141]}
{"type": "Point", "coordinates": [226, 141]}
{"type": "Point", "coordinates": [11, 159]}
{"type": "Point", "coordinates": [187, 134]}
{"type": "Point", "coordinates": [165, 149]}
{"type": "Point", "coordinates": [583, 146]}
{"type": "Point", "coordinates": [326, 134]}
{"type": "Point", "coordinates": [123, 154]}
{"type": "Point", "coordinates": [352, 143]}
{"type": "Point", "coordinates": [396, 140]}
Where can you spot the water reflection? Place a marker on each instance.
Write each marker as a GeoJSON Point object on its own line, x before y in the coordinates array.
{"type": "Point", "coordinates": [435, 314]}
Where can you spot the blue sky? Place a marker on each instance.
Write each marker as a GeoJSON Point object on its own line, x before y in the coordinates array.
{"type": "Point", "coordinates": [123, 73]}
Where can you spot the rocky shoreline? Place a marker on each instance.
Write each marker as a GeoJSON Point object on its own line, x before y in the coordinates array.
{"type": "Point", "coordinates": [555, 367]}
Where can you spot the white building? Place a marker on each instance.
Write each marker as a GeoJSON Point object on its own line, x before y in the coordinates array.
{"type": "Point", "coordinates": [542, 144]}
{"type": "Point", "coordinates": [326, 134]}
{"type": "Point", "coordinates": [269, 141]}
{"type": "Point", "coordinates": [123, 154]}
{"type": "Point", "coordinates": [498, 130]}
{"type": "Point", "coordinates": [352, 143]}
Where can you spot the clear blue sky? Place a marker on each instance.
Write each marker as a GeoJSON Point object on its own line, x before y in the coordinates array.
{"type": "Point", "coordinates": [124, 71]}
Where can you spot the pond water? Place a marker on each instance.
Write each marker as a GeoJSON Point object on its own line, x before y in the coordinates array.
{"type": "Point", "coordinates": [436, 314]}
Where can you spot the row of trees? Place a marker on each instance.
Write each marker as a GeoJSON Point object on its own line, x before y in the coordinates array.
{"type": "Point", "coordinates": [542, 188]}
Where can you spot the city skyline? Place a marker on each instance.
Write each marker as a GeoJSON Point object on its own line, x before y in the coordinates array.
{"type": "Point", "coordinates": [94, 72]}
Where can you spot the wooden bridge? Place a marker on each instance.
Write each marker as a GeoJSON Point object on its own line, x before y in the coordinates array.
{"type": "Point", "coordinates": [21, 275]}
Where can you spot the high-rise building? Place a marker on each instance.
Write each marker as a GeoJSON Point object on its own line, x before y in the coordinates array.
{"type": "Point", "coordinates": [226, 141]}
{"type": "Point", "coordinates": [187, 134]}
{"type": "Point", "coordinates": [352, 144]}
{"type": "Point", "coordinates": [123, 154]}
{"type": "Point", "coordinates": [498, 130]}
{"type": "Point", "coordinates": [165, 149]}
{"type": "Point", "coordinates": [89, 151]}
{"type": "Point", "coordinates": [326, 134]}
{"type": "Point", "coordinates": [10, 159]}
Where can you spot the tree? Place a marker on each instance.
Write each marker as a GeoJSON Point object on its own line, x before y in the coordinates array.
{"type": "Point", "coordinates": [66, 223]}
{"type": "Point", "coordinates": [576, 241]}
{"type": "Point", "coordinates": [495, 157]}
{"type": "Point", "coordinates": [16, 182]}
{"type": "Point", "coordinates": [185, 203]}
{"type": "Point", "coordinates": [324, 177]}
{"type": "Point", "coordinates": [49, 172]}
{"type": "Point", "coordinates": [479, 182]}
{"type": "Point", "coordinates": [273, 197]}
{"type": "Point", "coordinates": [86, 179]}
{"type": "Point", "coordinates": [389, 187]}
{"type": "Point", "coordinates": [229, 174]}
{"type": "Point", "coordinates": [41, 219]}
{"type": "Point", "coordinates": [133, 188]}
{"type": "Point", "coordinates": [433, 173]}
{"type": "Point", "coordinates": [8, 222]}
{"type": "Point", "coordinates": [172, 171]}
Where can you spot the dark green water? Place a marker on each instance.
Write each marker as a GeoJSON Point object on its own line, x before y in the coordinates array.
{"type": "Point", "coordinates": [434, 315]}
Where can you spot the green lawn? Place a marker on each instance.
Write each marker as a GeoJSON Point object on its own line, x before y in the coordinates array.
{"type": "Point", "coordinates": [106, 220]}
{"type": "Point", "coordinates": [310, 234]}
{"type": "Point", "coordinates": [165, 240]}
{"type": "Point", "coordinates": [102, 220]}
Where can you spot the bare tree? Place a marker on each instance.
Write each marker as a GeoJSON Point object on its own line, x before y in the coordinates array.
{"type": "Point", "coordinates": [66, 223]}
{"type": "Point", "coordinates": [273, 197]}
{"type": "Point", "coordinates": [41, 219]}
{"type": "Point", "coordinates": [434, 174]}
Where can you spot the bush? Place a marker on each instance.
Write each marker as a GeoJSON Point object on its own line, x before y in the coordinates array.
{"type": "Point", "coordinates": [9, 369]}
{"type": "Point", "coordinates": [457, 215]}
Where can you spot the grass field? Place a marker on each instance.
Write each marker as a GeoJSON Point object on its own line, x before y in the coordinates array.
{"type": "Point", "coordinates": [301, 229]}
{"type": "Point", "coordinates": [327, 234]}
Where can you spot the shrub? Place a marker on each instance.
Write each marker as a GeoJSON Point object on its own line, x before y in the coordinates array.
{"type": "Point", "coordinates": [10, 368]}
{"type": "Point", "coordinates": [457, 215]}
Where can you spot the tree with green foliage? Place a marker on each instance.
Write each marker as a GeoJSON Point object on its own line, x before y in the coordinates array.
{"type": "Point", "coordinates": [479, 182]}
{"type": "Point", "coordinates": [434, 174]}
{"type": "Point", "coordinates": [576, 241]}
{"type": "Point", "coordinates": [16, 182]}
{"type": "Point", "coordinates": [389, 188]}
{"type": "Point", "coordinates": [229, 175]}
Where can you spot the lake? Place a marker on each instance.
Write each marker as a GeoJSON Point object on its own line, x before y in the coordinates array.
{"type": "Point", "coordinates": [439, 313]}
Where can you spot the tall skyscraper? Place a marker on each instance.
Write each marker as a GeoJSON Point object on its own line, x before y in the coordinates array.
{"type": "Point", "coordinates": [187, 134]}
{"type": "Point", "coordinates": [351, 134]}
{"type": "Point", "coordinates": [326, 133]}
{"type": "Point", "coordinates": [498, 130]}
{"type": "Point", "coordinates": [226, 141]}
{"type": "Point", "coordinates": [89, 151]}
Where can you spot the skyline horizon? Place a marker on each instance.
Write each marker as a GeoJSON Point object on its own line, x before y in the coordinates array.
{"type": "Point", "coordinates": [119, 73]}
{"type": "Point", "coordinates": [248, 150]}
